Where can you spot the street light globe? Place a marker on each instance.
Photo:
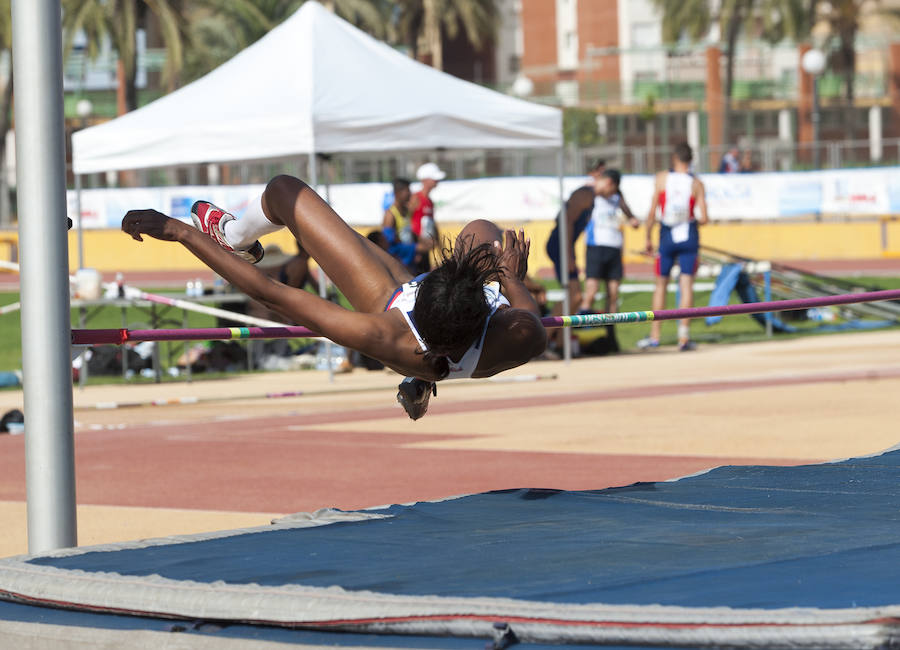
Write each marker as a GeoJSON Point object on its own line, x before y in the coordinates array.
{"type": "Point", "coordinates": [813, 62]}
{"type": "Point", "coordinates": [522, 86]}
{"type": "Point", "coordinates": [84, 108]}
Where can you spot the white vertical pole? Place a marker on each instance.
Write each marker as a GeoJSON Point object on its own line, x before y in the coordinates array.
{"type": "Point", "coordinates": [785, 128]}
{"type": "Point", "coordinates": [816, 124]}
{"type": "Point", "coordinates": [875, 143]}
{"type": "Point", "coordinates": [564, 256]}
{"type": "Point", "coordinates": [693, 131]}
{"type": "Point", "coordinates": [323, 282]}
{"type": "Point", "coordinates": [78, 223]}
{"type": "Point", "coordinates": [40, 152]}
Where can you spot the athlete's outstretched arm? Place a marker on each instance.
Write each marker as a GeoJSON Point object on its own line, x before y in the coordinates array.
{"type": "Point", "coordinates": [355, 330]}
{"type": "Point", "coordinates": [513, 256]}
{"type": "Point", "coordinates": [700, 199]}
{"type": "Point", "coordinates": [514, 338]}
{"type": "Point", "coordinates": [651, 214]}
{"type": "Point", "coordinates": [579, 201]}
{"type": "Point", "coordinates": [629, 215]}
{"type": "Point", "coordinates": [516, 335]}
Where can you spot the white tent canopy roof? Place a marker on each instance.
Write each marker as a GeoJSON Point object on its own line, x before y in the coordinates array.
{"type": "Point", "coordinates": [313, 84]}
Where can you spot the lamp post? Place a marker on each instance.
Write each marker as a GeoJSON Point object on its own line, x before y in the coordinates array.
{"type": "Point", "coordinates": [813, 63]}
{"type": "Point", "coordinates": [84, 108]}
{"type": "Point", "coordinates": [522, 86]}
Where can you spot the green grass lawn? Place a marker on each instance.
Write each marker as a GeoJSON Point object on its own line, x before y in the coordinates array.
{"type": "Point", "coordinates": [732, 329]}
{"type": "Point", "coordinates": [103, 318]}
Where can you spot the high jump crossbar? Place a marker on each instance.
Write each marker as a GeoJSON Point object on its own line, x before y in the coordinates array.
{"type": "Point", "coordinates": [120, 336]}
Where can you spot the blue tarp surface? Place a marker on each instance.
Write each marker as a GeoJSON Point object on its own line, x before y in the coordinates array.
{"type": "Point", "coordinates": [824, 536]}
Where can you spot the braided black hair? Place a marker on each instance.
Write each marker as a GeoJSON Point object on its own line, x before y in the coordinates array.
{"type": "Point", "coordinates": [451, 307]}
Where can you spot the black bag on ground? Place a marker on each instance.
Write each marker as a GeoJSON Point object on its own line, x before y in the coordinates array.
{"type": "Point", "coordinates": [15, 416]}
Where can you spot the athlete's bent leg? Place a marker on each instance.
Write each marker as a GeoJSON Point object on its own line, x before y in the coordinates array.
{"type": "Point", "coordinates": [479, 232]}
{"type": "Point", "coordinates": [612, 296]}
{"type": "Point", "coordinates": [612, 305]}
{"type": "Point", "coordinates": [686, 285]}
{"type": "Point", "coordinates": [590, 292]}
{"type": "Point", "coordinates": [365, 273]}
{"type": "Point", "coordinates": [659, 302]}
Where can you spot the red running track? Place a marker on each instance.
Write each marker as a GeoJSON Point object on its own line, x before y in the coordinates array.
{"type": "Point", "coordinates": [262, 465]}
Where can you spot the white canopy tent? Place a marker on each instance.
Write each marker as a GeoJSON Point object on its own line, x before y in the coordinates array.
{"type": "Point", "coordinates": [316, 84]}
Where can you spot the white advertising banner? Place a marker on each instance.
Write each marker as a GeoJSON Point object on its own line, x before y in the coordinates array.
{"type": "Point", "coordinates": [729, 197]}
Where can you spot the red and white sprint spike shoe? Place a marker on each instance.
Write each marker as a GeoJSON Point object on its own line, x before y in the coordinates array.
{"type": "Point", "coordinates": [211, 220]}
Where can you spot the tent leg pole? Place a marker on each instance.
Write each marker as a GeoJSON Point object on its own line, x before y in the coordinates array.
{"type": "Point", "coordinates": [564, 256]}
{"type": "Point", "coordinates": [323, 281]}
{"type": "Point", "coordinates": [47, 366]}
{"type": "Point", "coordinates": [78, 221]}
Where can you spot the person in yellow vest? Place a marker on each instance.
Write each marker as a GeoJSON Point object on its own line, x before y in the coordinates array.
{"type": "Point", "coordinates": [397, 227]}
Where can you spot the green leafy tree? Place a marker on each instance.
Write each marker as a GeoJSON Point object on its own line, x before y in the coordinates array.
{"type": "Point", "coordinates": [580, 127]}
{"type": "Point", "coordinates": [843, 18]}
{"type": "Point", "coordinates": [119, 20]}
{"type": "Point", "coordinates": [693, 19]}
{"type": "Point", "coordinates": [426, 21]}
{"type": "Point", "coordinates": [219, 29]}
{"type": "Point", "coordinates": [770, 20]}
{"type": "Point", "coordinates": [6, 99]}
{"type": "Point", "coordinates": [252, 19]}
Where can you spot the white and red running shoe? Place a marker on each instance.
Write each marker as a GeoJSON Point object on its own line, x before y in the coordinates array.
{"type": "Point", "coordinates": [211, 220]}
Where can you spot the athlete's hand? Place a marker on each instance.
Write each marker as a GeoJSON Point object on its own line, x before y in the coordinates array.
{"type": "Point", "coordinates": [152, 223]}
{"type": "Point", "coordinates": [514, 254]}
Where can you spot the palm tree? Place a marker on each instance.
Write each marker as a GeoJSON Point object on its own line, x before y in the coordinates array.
{"type": "Point", "coordinates": [693, 19]}
{"type": "Point", "coordinates": [843, 18]}
{"type": "Point", "coordinates": [5, 106]}
{"type": "Point", "coordinates": [369, 15]}
{"type": "Point", "coordinates": [119, 20]}
{"type": "Point", "coordinates": [428, 20]}
{"type": "Point", "coordinates": [219, 29]}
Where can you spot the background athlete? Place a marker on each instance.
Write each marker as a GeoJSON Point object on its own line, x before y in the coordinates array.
{"type": "Point", "coordinates": [677, 196]}
{"type": "Point", "coordinates": [577, 213]}
{"type": "Point", "coordinates": [603, 236]}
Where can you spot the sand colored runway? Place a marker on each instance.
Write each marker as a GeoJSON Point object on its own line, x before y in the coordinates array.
{"type": "Point", "coordinates": [241, 459]}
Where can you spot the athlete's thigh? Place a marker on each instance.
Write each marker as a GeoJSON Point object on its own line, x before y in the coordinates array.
{"type": "Point", "coordinates": [593, 262]}
{"type": "Point", "coordinates": [664, 262]}
{"type": "Point", "coordinates": [613, 269]}
{"type": "Point", "coordinates": [689, 260]}
{"type": "Point", "coordinates": [479, 232]}
{"type": "Point", "coordinates": [365, 273]}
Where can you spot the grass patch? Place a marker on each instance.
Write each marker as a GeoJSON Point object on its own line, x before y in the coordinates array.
{"type": "Point", "coordinates": [731, 329]}
{"type": "Point", "coordinates": [98, 318]}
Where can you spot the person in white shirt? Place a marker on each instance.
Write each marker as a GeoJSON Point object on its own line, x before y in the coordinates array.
{"type": "Point", "coordinates": [678, 196]}
{"type": "Point", "coordinates": [604, 239]}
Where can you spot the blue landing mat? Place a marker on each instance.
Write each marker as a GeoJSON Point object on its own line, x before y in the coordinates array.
{"type": "Point", "coordinates": [761, 539]}
{"type": "Point", "coordinates": [814, 536]}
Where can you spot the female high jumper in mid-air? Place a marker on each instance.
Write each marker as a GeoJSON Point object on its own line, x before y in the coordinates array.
{"type": "Point", "coordinates": [470, 317]}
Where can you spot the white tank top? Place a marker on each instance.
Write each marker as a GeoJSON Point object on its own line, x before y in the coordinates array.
{"type": "Point", "coordinates": [405, 300]}
{"type": "Point", "coordinates": [603, 229]}
{"type": "Point", "coordinates": [677, 202]}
